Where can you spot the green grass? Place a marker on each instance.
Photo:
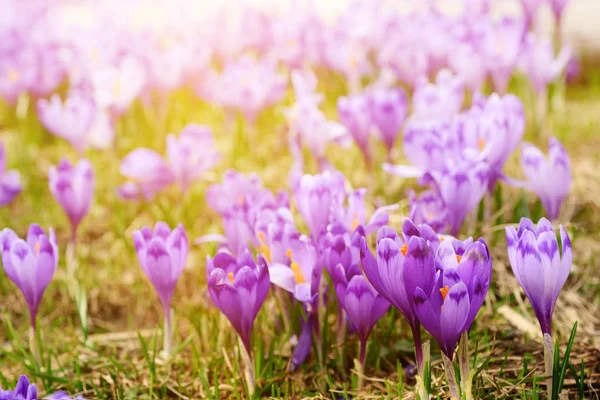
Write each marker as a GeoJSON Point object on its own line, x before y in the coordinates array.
{"type": "Point", "coordinates": [121, 358]}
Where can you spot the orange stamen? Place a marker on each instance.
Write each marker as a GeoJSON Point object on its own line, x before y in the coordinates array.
{"type": "Point", "coordinates": [404, 249]}
{"type": "Point", "coordinates": [230, 276]}
{"type": "Point", "coordinates": [37, 248]}
{"type": "Point", "coordinates": [441, 238]}
{"type": "Point", "coordinates": [458, 258]}
{"type": "Point", "coordinates": [481, 144]}
{"type": "Point", "coordinates": [444, 291]}
{"type": "Point", "coordinates": [241, 200]}
{"type": "Point", "coordinates": [296, 269]}
{"type": "Point", "coordinates": [263, 246]}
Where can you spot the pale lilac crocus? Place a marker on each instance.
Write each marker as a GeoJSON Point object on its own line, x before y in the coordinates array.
{"type": "Point", "coordinates": [162, 254]}
{"type": "Point", "coordinates": [73, 188]}
{"type": "Point", "coordinates": [530, 8]}
{"type": "Point", "coordinates": [558, 8]}
{"type": "Point", "coordinates": [440, 99]}
{"type": "Point", "coordinates": [355, 115]}
{"type": "Point", "coordinates": [71, 119]}
{"type": "Point", "coordinates": [539, 267]}
{"type": "Point", "coordinates": [550, 178]}
{"type": "Point", "coordinates": [10, 180]}
{"type": "Point", "coordinates": [428, 208]}
{"type": "Point", "coordinates": [191, 154]}
{"type": "Point", "coordinates": [539, 62]}
{"type": "Point", "coordinates": [388, 109]}
{"type": "Point", "coordinates": [502, 46]}
{"type": "Point", "coordinates": [30, 264]}
{"type": "Point", "coordinates": [147, 174]}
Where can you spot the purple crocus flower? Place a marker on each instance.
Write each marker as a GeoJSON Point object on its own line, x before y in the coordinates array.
{"type": "Point", "coordinates": [403, 263]}
{"type": "Point", "coordinates": [439, 100]}
{"type": "Point", "coordinates": [10, 181]}
{"type": "Point", "coordinates": [539, 266]}
{"type": "Point", "coordinates": [30, 263]}
{"type": "Point", "coordinates": [530, 8]}
{"type": "Point", "coordinates": [354, 114]}
{"type": "Point", "coordinates": [537, 168]}
{"type": "Point", "coordinates": [538, 61]}
{"type": "Point", "coordinates": [356, 214]}
{"type": "Point", "coordinates": [428, 208]}
{"type": "Point", "coordinates": [147, 174]}
{"type": "Point", "coordinates": [73, 188]}
{"type": "Point", "coordinates": [388, 109]}
{"type": "Point", "coordinates": [317, 196]}
{"type": "Point", "coordinates": [364, 307]}
{"type": "Point", "coordinates": [449, 308]}
{"type": "Point", "coordinates": [71, 120]}
{"type": "Point", "coordinates": [162, 253]}
{"type": "Point", "coordinates": [461, 188]}
{"type": "Point", "coordinates": [191, 154]}
{"type": "Point", "coordinates": [502, 46]}
{"type": "Point", "coordinates": [558, 7]}
{"type": "Point", "coordinates": [23, 391]}
{"type": "Point", "coordinates": [238, 287]}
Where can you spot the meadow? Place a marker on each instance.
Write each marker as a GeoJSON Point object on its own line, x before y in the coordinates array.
{"type": "Point", "coordinates": [100, 321]}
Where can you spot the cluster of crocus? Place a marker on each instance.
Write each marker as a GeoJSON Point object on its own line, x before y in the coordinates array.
{"type": "Point", "coordinates": [162, 254]}
{"type": "Point", "coordinates": [189, 156]}
{"type": "Point", "coordinates": [10, 180]}
{"type": "Point", "coordinates": [73, 188]}
{"type": "Point", "coordinates": [25, 390]}
{"type": "Point", "coordinates": [30, 264]}
{"type": "Point", "coordinates": [541, 270]}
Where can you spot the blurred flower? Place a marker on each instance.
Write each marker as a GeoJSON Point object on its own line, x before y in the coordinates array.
{"type": "Point", "coordinates": [191, 154]}
{"type": "Point", "coordinates": [502, 46]}
{"type": "Point", "coordinates": [18, 72]}
{"type": "Point", "coordinates": [439, 100]}
{"type": "Point", "coordinates": [354, 114]}
{"type": "Point", "coordinates": [538, 265]}
{"type": "Point", "coordinates": [539, 63]}
{"type": "Point", "coordinates": [147, 174]}
{"type": "Point", "coordinates": [530, 8]}
{"type": "Point", "coordinates": [550, 178]}
{"type": "Point", "coordinates": [71, 120]}
{"type": "Point", "coordinates": [238, 287]}
{"type": "Point", "coordinates": [115, 86]}
{"type": "Point", "coordinates": [73, 188]}
{"type": "Point", "coordinates": [558, 7]}
{"type": "Point", "coordinates": [30, 263]}
{"type": "Point", "coordinates": [23, 391]}
{"type": "Point", "coordinates": [428, 208]}
{"type": "Point", "coordinates": [449, 308]}
{"type": "Point", "coordinates": [403, 263]}
{"type": "Point", "coordinates": [10, 181]}
{"type": "Point", "coordinates": [388, 109]}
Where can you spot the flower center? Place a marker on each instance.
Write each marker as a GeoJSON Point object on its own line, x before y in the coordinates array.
{"type": "Point", "coordinates": [241, 200]}
{"type": "Point", "coordinates": [458, 258]}
{"type": "Point", "coordinates": [13, 75]}
{"type": "Point", "coordinates": [263, 246]}
{"type": "Point", "coordinates": [444, 291]}
{"type": "Point", "coordinates": [355, 222]}
{"type": "Point", "coordinates": [481, 144]}
{"type": "Point", "coordinates": [404, 249]}
{"type": "Point", "coordinates": [37, 248]}
{"type": "Point", "coordinates": [296, 269]}
{"type": "Point", "coordinates": [230, 276]}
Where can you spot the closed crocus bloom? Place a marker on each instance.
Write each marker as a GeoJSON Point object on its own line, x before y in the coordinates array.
{"type": "Point", "coordinates": [502, 45]}
{"type": "Point", "coordinates": [550, 178]}
{"type": "Point", "coordinates": [71, 120]}
{"type": "Point", "coordinates": [462, 282]}
{"type": "Point", "coordinates": [317, 196]}
{"type": "Point", "coordinates": [30, 263]}
{"type": "Point", "coordinates": [539, 266]}
{"type": "Point", "coordinates": [353, 112]}
{"type": "Point", "coordinates": [10, 181]}
{"type": "Point", "coordinates": [73, 188]}
{"type": "Point", "coordinates": [23, 391]}
{"type": "Point", "coordinates": [461, 187]}
{"type": "Point", "coordinates": [364, 306]}
{"type": "Point", "coordinates": [147, 174]}
{"type": "Point", "coordinates": [428, 208]}
{"type": "Point", "coordinates": [402, 264]}
{"type": "Point", "coordinates": [191, 154]}
{"type": "Point", "coordinates": [539, 62]}
{"type": "Point", "coordinates": [162, 253]}
{"type": "Point", "coordinates": [238, 287]}
{"type": "Point", "coordinates": [389, 108]}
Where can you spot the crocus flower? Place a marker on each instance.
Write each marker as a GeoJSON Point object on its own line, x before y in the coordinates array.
{"type": "Point", "coordinates": [438, 100]}
{"type": "Point", "coordinates": [428, 208]}
{"type": "Point", "coordinates": [558, 7]}
{"type": "Point", "coordinates": [538, 169]}
{"type": "Point", "coordinates": [30, 264]}
{"type": "Point", "coordinates": [402, 264]}
{"type": "Point", "coordinates": [530, 8]}
{"type": "Point", "coordinates": [539, 267]}
{"type": "Point", "coordinates": [354, 114]}
{"type": "Point", "coordinates": [502, 46]}
{"type": "Point", "coordinates": [388, 109]}
{"type": "Point", "coordinates": [538, 61]}
{"type": "Point", "coordinates": [162, 253]}
{"type": "Point", "coordinates": [147, 174]}
{"type": "Point", "coordinates": [73, 188]}
{"type": "Point", "coordinates": [238, 287]}
{"type": "Point", "coordinates": [364, 307]}
{"type": "Point", "coordinates": [317, 196]}
{"type": "Point", "coordinates": [10, 181]}
{"type": "Point", "coordinates": [462, 281]}
{"type": "Point", "coordinates": [191, 154]}
{"type": "Point", "coordinates": [116, 86]}
{"type": "Point", "coordinates": [71, 120]}
{"type": "Point", "coordinates": [23, 391]}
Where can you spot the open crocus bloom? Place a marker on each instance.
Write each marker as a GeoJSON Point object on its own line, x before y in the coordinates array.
{"type": "Point", "coordinates": [147, 174]}
{"type": "Point", "coordinates": [539, 266]}
{"type": "Point", "coordinates": [450, 306]}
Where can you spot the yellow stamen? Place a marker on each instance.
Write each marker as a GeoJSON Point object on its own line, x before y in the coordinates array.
{"type": "Point", "coordinates": [404, 249]}
{"type": "Point", "coordinates": [355, 222]}
{"type": "Point", "coordinates": [13, 75]}
{"type": "Point", "coordinates": [117, 88]}
{"type": "Point", "coordinates": [481, 143]}
{"type": "Point", "coordinates": [458, 258]}
{"type": "Point", "coordinates": [298, 274]}
{"type": "Point", "coordinates": [263, 246]}
{"type": "Point", "coordinates": [230, 276]}
{"type": "Point", "coordinates": [37, 248]}
{"type": "Point", "coordinates": [241, 200]}
{"type": "Point", "coordinates": [444, 291]}
{"type": "Point", "coordinates": [441, 238]}
{"type": "Point", "coordinates": [430, 215]}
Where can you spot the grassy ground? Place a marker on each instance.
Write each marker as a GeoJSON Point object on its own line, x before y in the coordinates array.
{"type": "Point", "coordinates": [120, 358]}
